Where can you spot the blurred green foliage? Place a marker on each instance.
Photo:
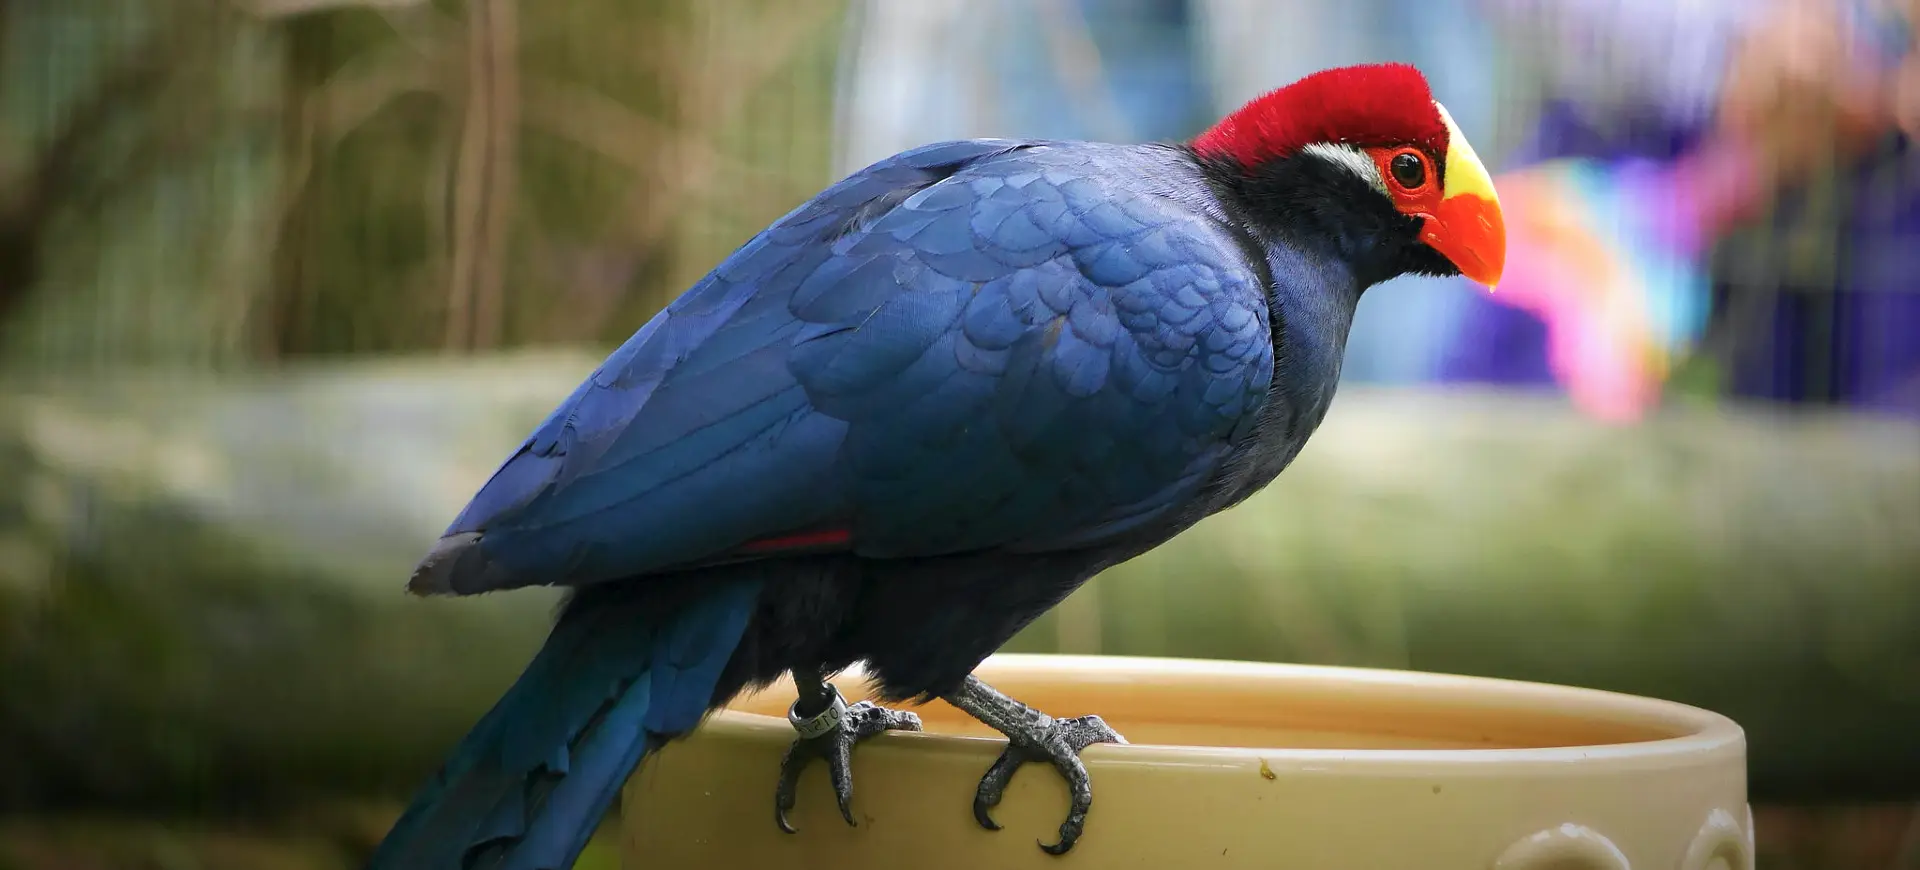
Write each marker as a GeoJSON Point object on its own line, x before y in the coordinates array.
{"type": "Point", "coordinates": [217, 182]}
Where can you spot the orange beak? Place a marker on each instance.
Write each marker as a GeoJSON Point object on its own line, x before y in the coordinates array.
{"type": "Point", "coordinates": [1467, 227]}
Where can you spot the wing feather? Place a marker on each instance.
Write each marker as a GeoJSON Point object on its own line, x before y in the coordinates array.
{"type": "Point", "coordinates": [982, 344]}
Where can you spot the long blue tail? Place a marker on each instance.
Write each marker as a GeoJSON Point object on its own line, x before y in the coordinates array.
{"type": "Point", "coordinates": [527, 786]}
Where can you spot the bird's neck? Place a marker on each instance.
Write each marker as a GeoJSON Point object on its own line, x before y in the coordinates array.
{"type": "Point", "coordinates": [1312, 299]}
{"type": "Point", "coordinates": [1313, 287]}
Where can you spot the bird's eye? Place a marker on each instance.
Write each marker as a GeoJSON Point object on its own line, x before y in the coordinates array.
{"type": "Point", "coordinates": [1409, 169]}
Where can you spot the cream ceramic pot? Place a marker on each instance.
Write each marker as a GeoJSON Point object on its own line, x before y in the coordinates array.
{"type": "Point", "coordinates": [1230, 765]}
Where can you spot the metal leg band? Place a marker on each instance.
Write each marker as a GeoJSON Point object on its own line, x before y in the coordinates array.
{"type": "Point", "coordinates": [821, 722]}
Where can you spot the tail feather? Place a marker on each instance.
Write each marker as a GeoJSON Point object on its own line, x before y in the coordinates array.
{"type": "Point", "coordinates": [526, 787]}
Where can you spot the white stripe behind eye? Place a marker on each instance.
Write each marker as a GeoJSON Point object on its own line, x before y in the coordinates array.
{"type": "Point", "coordinates": [1350, 159]}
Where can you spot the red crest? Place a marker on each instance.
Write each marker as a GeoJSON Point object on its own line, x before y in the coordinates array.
{"type": "Point", "coordinates": [1368, 105]}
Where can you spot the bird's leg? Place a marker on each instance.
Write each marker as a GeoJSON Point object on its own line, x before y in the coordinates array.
{"type": "Point", "coordinates": [829, 728]}
{"type": "Point", "coordinates": [1033, 736]}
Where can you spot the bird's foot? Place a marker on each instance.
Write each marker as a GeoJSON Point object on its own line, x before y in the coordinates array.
{"type": "Point", "coordinates": [1035, 736]}
{"type": "Point", "coordinates": [831, 734]}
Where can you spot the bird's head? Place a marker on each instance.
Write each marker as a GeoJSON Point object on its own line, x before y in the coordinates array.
{"type": "Point", "coordinates": [1362, 159]}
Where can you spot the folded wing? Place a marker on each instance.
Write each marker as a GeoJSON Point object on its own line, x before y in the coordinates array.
{"type": "Point", "coordinates": [973, 345]}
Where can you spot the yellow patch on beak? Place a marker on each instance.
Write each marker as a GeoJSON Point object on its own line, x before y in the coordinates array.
{"type": "Point", "coordinates": [1467, 228]}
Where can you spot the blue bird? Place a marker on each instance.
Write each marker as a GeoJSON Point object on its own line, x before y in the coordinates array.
{"type": "Point", "coordinates": [914, 414]}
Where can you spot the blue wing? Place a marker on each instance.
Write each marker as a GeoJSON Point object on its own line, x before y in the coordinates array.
{"type": "Point", "coordinates": [972, 345]}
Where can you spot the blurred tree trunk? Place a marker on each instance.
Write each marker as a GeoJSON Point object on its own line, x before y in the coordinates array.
{"type": "Point", "coordinates": [519, 174]}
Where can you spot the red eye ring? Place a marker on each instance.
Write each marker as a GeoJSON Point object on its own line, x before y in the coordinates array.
{"type": "Point", "coordinates": [1411, 177]}
{"type": "Point", "coordinates": [1407, 169]}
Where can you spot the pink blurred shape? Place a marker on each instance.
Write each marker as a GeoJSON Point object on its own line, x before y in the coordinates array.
{"type": "Point", "coordinates": [1604, 254]}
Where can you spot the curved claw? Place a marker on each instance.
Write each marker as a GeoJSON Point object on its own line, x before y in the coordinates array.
{"type": "Point", "coordinates": [993, 785]}
{"type": "Point", "coordinates": [1080, 787]}
{"type": "Point", "coordinates": [783, 794]}
{"type": "Point", "coordinates": [1060, 743]}
{"type": "Point", "coordinates": [835, 745]}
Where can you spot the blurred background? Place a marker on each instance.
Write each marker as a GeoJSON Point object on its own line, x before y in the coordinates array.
{"type": "Point", "coordinates": [281, 281]}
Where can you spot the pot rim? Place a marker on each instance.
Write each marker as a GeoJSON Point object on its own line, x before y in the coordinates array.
{"type": "Point", "coordinates": [1698, 735]}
